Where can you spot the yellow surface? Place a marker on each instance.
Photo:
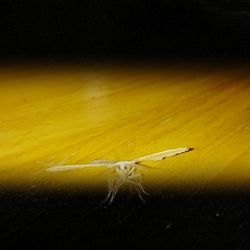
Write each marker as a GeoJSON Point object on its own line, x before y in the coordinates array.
{"type": "Point", "coordinates": [77, 114]}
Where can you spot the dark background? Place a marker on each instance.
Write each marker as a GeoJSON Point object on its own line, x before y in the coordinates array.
{"type": "Point", "coordinates": [168, 220]}
{"type": "Point", "coordinates": [125, 29]}
{"type": "Point", "coordinates": [133, 30]}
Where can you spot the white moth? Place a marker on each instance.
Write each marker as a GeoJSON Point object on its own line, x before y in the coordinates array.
{"type": "Point", "coordinates": [126, 170]}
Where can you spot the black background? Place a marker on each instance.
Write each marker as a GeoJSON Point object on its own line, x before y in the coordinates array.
{"type": "Point", "coordinates": [133, 30]}
{"type": "Point", "coordinates": [125, 29]}
{"type": "Point", "coordinates": [168, 220]}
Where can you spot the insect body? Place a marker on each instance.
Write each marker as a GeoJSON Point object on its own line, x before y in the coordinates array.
{"type": "Point", "coordinates": [126, 170]}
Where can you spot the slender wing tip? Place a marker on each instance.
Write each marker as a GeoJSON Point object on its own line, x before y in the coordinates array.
{"type": "Point", "coordinates": [58, 169]}
{"type": "Point", "coordinates": [52, 169]}
{"type": "Point", "coordinates": [186, 149]}
{"type": "Point", "coordinates": [182, 150]}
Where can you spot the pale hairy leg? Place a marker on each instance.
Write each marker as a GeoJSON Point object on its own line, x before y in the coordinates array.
{"type": "Point", "coordinates": [138, 183]}
{"type": "Point", "coordinates": [137, 189]}
{"type": "Point", "coordinates": [111, 182]}
{"type": "Point", "coordinates": [113, 186]}
{"type": "Point", "coordinates": [119, 182]}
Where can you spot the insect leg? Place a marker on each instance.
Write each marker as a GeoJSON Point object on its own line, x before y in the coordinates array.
{"type": "Point", "coordinates": [138, 187]}
{"type": "Point", "coordinates": [138, 183]}
{"type": "Point", "coordinates": [118, 183]}
{"type": "Point", "coordinates": [110, 188]}
{"type": "Point", "coordinates": [113, 186]}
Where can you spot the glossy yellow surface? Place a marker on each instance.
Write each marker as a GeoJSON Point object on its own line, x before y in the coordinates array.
{"type": "Point", "coordinates": [76, 114]}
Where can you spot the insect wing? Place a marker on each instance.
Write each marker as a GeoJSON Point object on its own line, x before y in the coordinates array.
{"type": "Point", "coordinates": [71, 167]}
{"type": "Point", "coordinates": [162, 155]}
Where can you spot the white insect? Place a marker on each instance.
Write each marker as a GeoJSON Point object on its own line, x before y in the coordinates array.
{"type": "Point", "coordinates": [126, 170]}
